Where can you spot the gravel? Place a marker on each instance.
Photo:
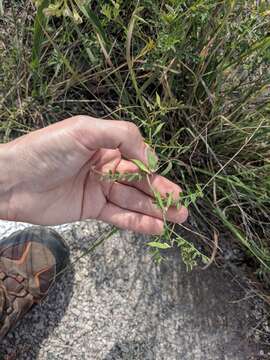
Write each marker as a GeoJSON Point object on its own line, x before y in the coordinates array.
{"type": "Point", "coordinates": [115, 303]}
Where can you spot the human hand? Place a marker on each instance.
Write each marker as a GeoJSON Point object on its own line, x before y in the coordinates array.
{"type": "Point", "coordinates": [53, 176]}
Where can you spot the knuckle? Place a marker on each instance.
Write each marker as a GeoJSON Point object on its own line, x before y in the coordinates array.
{"type": "Point", "coordinates": [81, 119]}
{"type": "Point", "coordinates": [131, 129]}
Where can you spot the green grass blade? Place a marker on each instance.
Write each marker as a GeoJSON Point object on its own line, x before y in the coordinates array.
{"type": "Point", "coordinates": [39, 25]}
{"type": "Point", "coordinates": [94, 21]}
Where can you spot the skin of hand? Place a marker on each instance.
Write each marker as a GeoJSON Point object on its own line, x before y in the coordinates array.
{"type": "Point", "coordinates": [52, 176]}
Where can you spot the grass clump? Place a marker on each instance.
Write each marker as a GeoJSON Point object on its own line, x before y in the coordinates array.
{"type": "Point", "coordinates": [193, 75]}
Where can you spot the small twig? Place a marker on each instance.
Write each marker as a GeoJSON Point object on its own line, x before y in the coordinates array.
{"type": "Point", "coordinates": [234, 156]}
{"type": "Point", "coordinates": [214, 252]}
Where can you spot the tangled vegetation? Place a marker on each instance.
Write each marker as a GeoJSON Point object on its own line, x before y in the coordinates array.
{"type": "Point", "coordinates": [193, 75]}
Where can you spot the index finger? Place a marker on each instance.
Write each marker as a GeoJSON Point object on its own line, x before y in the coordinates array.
{"type": "Point", "coordinates": [111, 134]}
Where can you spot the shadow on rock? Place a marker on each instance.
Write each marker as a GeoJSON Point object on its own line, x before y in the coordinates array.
{"type": "Point", "coordinates": [25, 341]}
{"type": "Point", "coordinates": [134, 350]}
{"type": "Point", "coordinates": [167, 312]}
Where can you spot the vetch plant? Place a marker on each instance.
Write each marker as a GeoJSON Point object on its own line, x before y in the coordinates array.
{"type": "Point", "coordinates": [65, 8]}
{"type": "Point", "coordinates": [190, 254]}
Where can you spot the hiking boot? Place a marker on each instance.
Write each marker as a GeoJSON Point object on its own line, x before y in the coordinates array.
{"type": "Point", "coordinates": [29, 262]}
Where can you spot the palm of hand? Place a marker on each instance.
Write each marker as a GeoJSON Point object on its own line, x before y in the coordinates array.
{"type": "Point", "coordinates": [59, 180]}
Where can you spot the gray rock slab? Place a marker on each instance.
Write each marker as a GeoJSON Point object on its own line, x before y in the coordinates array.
{"type": "Point", "coordinates": [115, 303]}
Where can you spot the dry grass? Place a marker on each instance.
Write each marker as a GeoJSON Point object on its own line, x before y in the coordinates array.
{"type": "Point", "coordinates": [194, 75]}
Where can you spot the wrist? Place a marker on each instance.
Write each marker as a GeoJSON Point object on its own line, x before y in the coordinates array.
{"type": "Point", "coordinates": [7, 183]}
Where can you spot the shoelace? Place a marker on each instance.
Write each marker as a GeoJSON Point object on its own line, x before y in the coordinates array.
{"type": "Point", "coordinates": [4, 301]}
{"type": "Point", "coordinates": [6, 294]}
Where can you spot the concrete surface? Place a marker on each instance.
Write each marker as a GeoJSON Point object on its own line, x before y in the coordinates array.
{"type": "Point", "coordinates": [117, 304]}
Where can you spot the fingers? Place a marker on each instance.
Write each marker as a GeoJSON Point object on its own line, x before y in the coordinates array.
{"type": "Point", "coordinates": [132, 199]}
{"type": "Point", "coordinates": [110, 134]}
{"type": "Point", "coordinates": [157, 182]}
{"type": "Point", "coordinates": [130, 220]}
